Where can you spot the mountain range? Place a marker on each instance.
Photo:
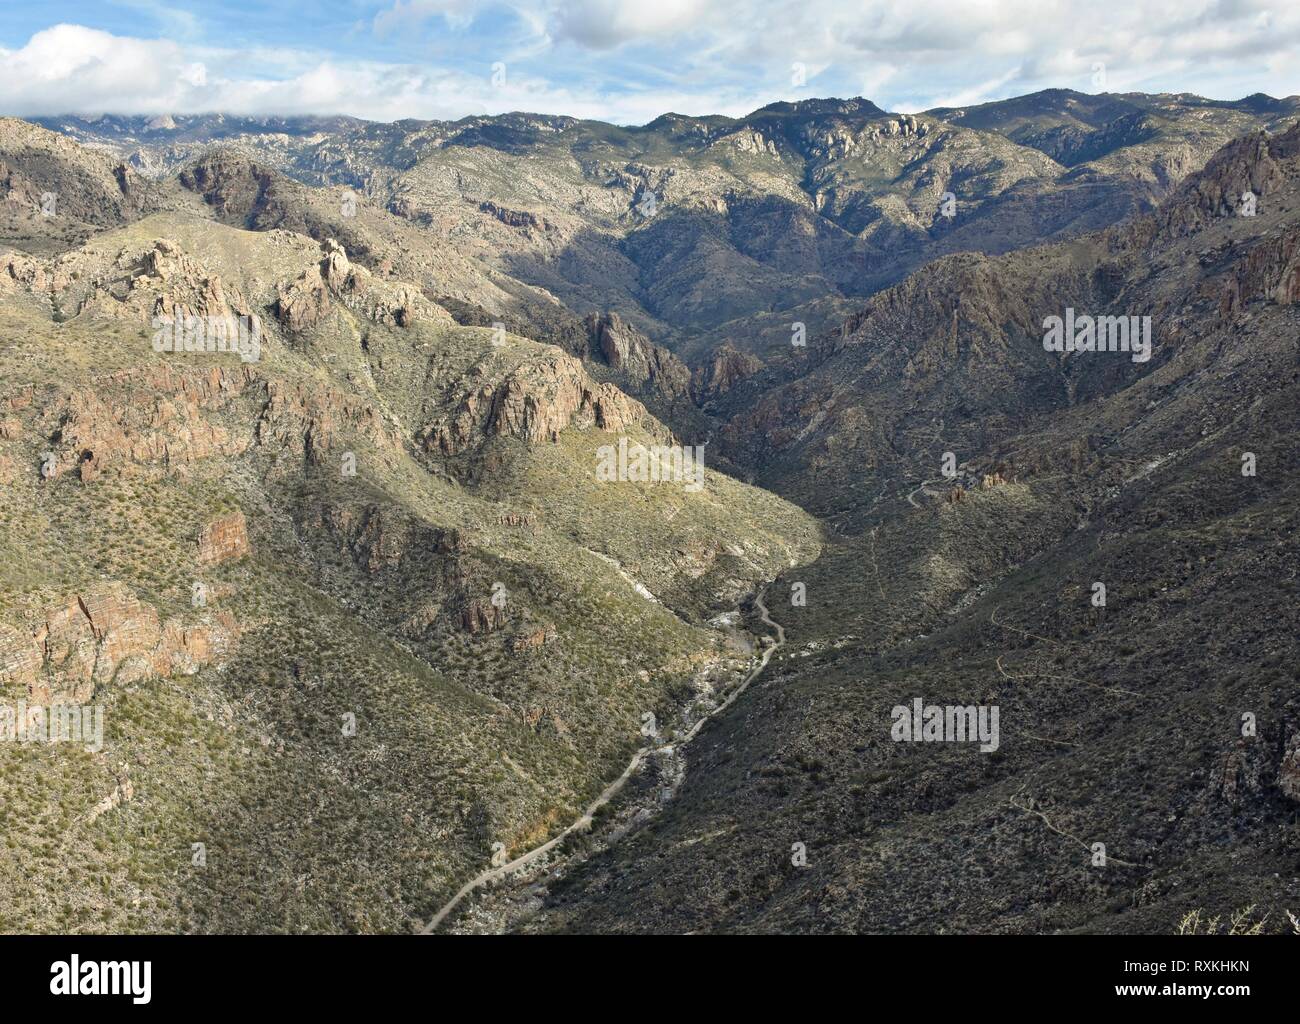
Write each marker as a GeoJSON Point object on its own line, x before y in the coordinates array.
{"type": "Point", "coordinates": [364, 618]}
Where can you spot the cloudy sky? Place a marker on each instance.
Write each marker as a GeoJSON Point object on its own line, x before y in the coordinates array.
{"type": "Point", "coordinates": [623, 60]}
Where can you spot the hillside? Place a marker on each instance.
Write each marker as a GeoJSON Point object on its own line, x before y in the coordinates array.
{"type": "Point", "coordinates": [1124, 723]}
{"type": "Point", "coordinates": [354, 602]}
{"type": "Point", "coordinates": [365, 613]}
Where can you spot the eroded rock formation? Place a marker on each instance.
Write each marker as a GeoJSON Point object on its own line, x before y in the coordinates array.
{"type": "Point", "coordinates": [103, 635]}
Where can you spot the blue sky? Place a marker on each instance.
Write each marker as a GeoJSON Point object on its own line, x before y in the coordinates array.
{"type": "Point", "coordinates": [623, 60]}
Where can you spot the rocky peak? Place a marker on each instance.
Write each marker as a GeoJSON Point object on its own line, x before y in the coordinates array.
{"type": "Point", "coordinates": [229, 181]}
{"type": "Point", "coordinates": [725, 368]}
{"type": "Point", "coordinates": [534, 402]}
{"type": "Point", "coordinates": [308, 300]}
{"type": "Point", "coordinates": [1258, 163]}
{"type": "Point", "coordinates": [641, 364]}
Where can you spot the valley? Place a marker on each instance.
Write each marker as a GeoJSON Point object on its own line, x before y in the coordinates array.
{"type": "Point", "coordinates": [377, 612]}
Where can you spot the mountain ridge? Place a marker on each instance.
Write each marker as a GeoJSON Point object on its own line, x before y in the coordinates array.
{"type": "Point", "coordinates": [392, 510]}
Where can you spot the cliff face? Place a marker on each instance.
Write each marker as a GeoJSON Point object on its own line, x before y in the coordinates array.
{"type": "Point", "coordinates": [224, 540]}
{"type": "Point", "coordinates": [641, 365]}
{"type": "Point", "coordinates": [104, 636]}
{"type": "Point", "coordinates": [533, 402]}
{"type": "Point", "coordinates": [727, 367]}
{"type": "Point", "coordinates": [1255, 164]}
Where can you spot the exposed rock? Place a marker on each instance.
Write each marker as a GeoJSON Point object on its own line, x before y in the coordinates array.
{"type": "Point", "coordinates": [726, 368]}
{"type": "Point", "coordinates": [537, 399]}
{"type": "Point", "coordinates": [122, 793]}
{"type": "Point", "coordinates": [1253, 164]}
{"type": "Point", "coordinates": [752, 141]}
{"type": "Point", "coordinates": [375, 545]}
{"type": "Point", "coordinates": [91, 185]}
{"type": "Point", "coordinates": [642, 365]}
{"type": "Point", "coordinates": [514, 218]}
{"type": "Point", "coordinates": [103, 635]}
{"type": "Point", "coordinates": [1246, 770]}
{"type": "Point", "coordinates": [229, 182]}
{"type": "Point", "coordinates": [224, 539]}
{"type": "Point", "coordinates": [21, 272]}
{"type": "Point", "coordinates": [533, 639]}
{"type": "Point", "coordinates": [381, 537]}
{"type": "Point", "coordinates": [1270, 271]}
{"type": "Point", "coordinates": [419, 621]}
{"type": "Point", "coordinates": [545, 721]}
{"type": "Point", "coordinates": [306, 301]}
{"type": "Point", "coordinates": [159, 280]}
{"type": "Point", "coordinates": [91, 431]}
{"type": "Point", "coordinates": [20, 658]}
{"type": "Point", "coordinates": [311, 418]}
{"type": "Point", "coordinates": [478, 616]}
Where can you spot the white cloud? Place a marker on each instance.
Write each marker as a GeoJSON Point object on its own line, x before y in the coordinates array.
{"type": "Point", "coordinates": [76, 70]}
{"type": "Point", "coordinates": [603, 24]}
{"type": "Point", "coordinates": [980, 93]}
{"type": "Point", "coordinates": [630, 60]}
{"type": "Point", "coordinates": [405, 14]}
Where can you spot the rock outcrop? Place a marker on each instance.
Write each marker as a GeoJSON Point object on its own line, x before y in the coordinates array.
{"type": "Point", "coordinates": [95, 428]}
{"type": "Point", "coordinates": [514, 218]}
{"type": "Point", "coordinates": [1254, 163]}
{"type": "Point", "coordinates": [122, 793]}
{"type": "Point", "coordinates": [478, 616]}
{"type": "Point", "coordinates": [107, 634]}
{"type": "Point", "coordinates": [21, 272]}
{"type": "Point", "coordinates": [536, 401]}
{"type": "Point", "coordinates": [532, 639]}
{"type": "Point", "coordinates": [642, 365]}
{"type": "Point", "coordinates": [224, 539]}
{"type": "Point", "coordinates": [725, 368]}
{"type": "Point", "coordinates": [1270, 271]}
{"type": "Point", "coordinates": [309, 299]}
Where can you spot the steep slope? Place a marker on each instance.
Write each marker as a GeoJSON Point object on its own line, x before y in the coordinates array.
{"type": "Point", "coordinates": [1160, 721]}
{"type": "Point", "coordinates": [54, 193]}
{"type": "Point", "coordinates": [705, 231]}
{"type": "Point", "coordinates": [349, 591]}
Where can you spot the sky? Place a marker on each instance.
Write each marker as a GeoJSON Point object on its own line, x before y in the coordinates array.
{"type": "Point", "coordinates": [625, 61]}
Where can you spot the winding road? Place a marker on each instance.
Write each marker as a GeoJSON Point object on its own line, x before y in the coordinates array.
{"type": "Point", "coordinates": [612, 790]}
{"type": "Point", "coordinates": [911, 498]}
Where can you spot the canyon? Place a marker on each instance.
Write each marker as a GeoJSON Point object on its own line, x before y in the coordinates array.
{"type": "Point", "coordinates": [363, 609]}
